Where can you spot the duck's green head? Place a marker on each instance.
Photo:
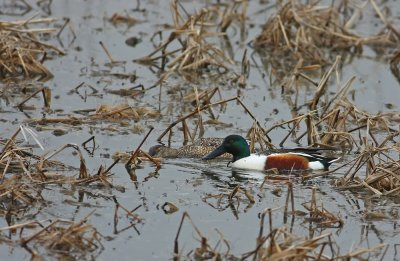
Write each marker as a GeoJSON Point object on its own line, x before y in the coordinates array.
{"type": "Point", "coordinates": [233, 144]}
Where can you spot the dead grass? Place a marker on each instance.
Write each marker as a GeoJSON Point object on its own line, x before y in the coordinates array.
{"type": "Point", "coordinates": [23, 177]}
{"type": "Point", "coordinates": [279, 244]}
{"type": "Point", "coordinates": [26, 168]}
{"type": "Point", "coordinates": [320, 215]}
{"type": "Point", "coordinates": [382, 170]}
{"type": "Point", "coordinates": [22, 53]}
{"type": "Point", "coordinates": [104, 112]}
{"type": "Point", "coordinates": [124, 111]}
{"type": "Point", "coordinates": [61, 238]}
{"type": "Point", "coordinates": [308, 36]}
{"type": "Point", "coordinates": [311, 33]}
{"type": "Point", "coordinates": [190, 34]}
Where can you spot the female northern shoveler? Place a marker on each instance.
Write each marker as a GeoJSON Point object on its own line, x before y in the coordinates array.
{"type": "Point", "coordinates": [198, 149]}
{"type": "Point", "coordinates": [242, 159]}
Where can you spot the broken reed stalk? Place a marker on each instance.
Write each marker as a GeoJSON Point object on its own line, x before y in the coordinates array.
{"type": "Point", "coordinates": [28, 224]}
{"type": "Point", "coordinates": [260, 240]}
{"type": "Point", "coordinates": [384, 20]}
{"type": "Point", "coordinates": [199, 125]}
{"type": "Point", "coordinates": [295, 126]}
{"type": "Point", "coordinates": [255, 119]}
{"type": "Point", "coordinates": [45, 98]}
{"type": "Point", "coordinates": [5, 168]}
{"type": "Point", "coordinates": [245, 70]}
{"type": "Point", "coordinates": [63, 27]}
{"type": "Point", "coordinates": [340, 94]}
{"type": "Point", "coordinates": [301, 117]}
{"type": "Point", "coordinates": [176, 241]}
{"type": "Point", "coordinates": [93, 139]}
{"type": "Point", "coordinates": [107, 52]}
{"type": "Point", "coordinates": [313, 205]}
{"type": "Point", "coordinates": [111, 166]}
{"type": "Point", "coordinates": [291, 197]}
{"type": "Point", "coordinates": [234, 191]}
{"type": "Point", "coordinates": [8, 143]}
{"type": "Point", "coordinates": [152, 159]}
{"type": "Point", "coordinates": [321, 216]}
{"type": "Point", "coordinates": [128, 212]}
{"type": "Point", "coordinates": [83, 174]}
{"type": "Point", "coordinates": [196, 111]}
{"type": "Point", "coordinates": [24, 241]}
{"type": "Point", "coordinates": [135, 153]}
{"type": "Point", "coordinates": [323, 84]}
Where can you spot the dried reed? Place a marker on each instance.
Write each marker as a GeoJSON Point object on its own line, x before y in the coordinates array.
{"type": "Point", "coordinates": [312, 32]}
{"type": "Point", "coordinates": [22, 52]}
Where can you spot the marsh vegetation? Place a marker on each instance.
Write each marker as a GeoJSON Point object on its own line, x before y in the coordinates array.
{"type": "Point", "coordinates": [86, 89]}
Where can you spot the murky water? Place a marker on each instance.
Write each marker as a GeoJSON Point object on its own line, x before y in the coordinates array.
{"type": "Point", "coordinates": [185, 183]}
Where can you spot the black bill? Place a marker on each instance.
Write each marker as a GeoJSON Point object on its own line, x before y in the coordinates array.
{"type": "Point", "coordinates": [217, 152]}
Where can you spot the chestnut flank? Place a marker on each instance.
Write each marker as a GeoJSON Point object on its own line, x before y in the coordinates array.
{"type": "Point", "coordinates": [286, 162]}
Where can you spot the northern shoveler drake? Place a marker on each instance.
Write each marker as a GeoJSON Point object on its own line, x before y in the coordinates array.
{"type": "Point", "coordinates": [242, 159]}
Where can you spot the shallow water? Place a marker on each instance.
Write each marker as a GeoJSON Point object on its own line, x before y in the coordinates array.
{"type": "Point", "coordinates": [185, 182]}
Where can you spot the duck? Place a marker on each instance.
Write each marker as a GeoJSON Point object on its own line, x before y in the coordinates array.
{"type": "Point", "coordinates": [198, 149]}
{"type": "Point", "coordinates": [238, 147]}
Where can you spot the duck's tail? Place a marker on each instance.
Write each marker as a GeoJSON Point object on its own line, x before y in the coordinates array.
{"type": "Point", "coordinates": [318, 160]}
{"type": "Point", "coordinates": [325, 161]}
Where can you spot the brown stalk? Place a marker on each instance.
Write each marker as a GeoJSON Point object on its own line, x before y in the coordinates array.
{"type": "Point", "coordinates": [384, 20]}
{"type": "Point", "coordinates": [341, 93]}
{"type": "Point", "coordinates": [63, 27]}
{"type": "Point", "coordinates": [323, 84]}
{"type": "Point", "coordinates": [168, 129]}
{"type": "Point", "coordinates": [24, 241]}
{"type": "Point", "coordinates": [254, 118]}
{"type": "Point", "coordinates": [127, 211]}
{"type": "Point", "coordinates": [176, 243]}
{"type": "Point", "coordinates": [135, 153]}
{"type": "Point", "coordinates": [152, 159]}
{"type": "Point", "coordinates": [107, 52]}
{"type": "Point", "coordinates": [289, 195]}
{"type": "Point", "coordinates": [33, 95]}
{"type": "Point", "coordinates": [82, 168]}
{"type": "Point", "coordinates": [9, 142]}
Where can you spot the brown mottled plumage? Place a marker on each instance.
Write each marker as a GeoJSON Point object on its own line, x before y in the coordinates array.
{"type": "Point", "coordinates": [198, 149]}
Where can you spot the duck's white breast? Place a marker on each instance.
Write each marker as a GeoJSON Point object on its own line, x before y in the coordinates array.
{"type": "Point", "coordinates": [253, 162]}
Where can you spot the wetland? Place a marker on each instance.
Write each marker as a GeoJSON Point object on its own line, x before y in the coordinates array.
{"type": "Point", "coordinates": [88, 88]}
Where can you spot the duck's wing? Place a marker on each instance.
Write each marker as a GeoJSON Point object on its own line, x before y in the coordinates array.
{"type": "Point", "coordinates": [325, 161]}
{"type": "Point", "coordinates": [310, 150]}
